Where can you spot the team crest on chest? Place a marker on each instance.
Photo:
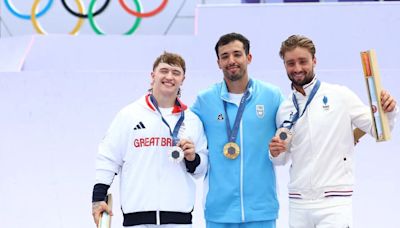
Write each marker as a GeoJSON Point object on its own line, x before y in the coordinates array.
{"type": "Point", "coordinates": [220, 117]}
{"type": "Point", "coordinates": [326, 105]}
{"type": "Point", "coordinates": [260, 111]}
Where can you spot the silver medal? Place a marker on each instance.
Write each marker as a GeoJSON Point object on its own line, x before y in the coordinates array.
{"type": "Point", "coordinates": [284, 134]}
{"type": "Point", "coordinates": [175, 154]}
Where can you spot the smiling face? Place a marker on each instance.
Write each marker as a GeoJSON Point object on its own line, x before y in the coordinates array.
{"type": "Point", "coordinates": [233, 61]}
{"type": "Point", "coordinates": [299, 64]}
{"type": "Point", "coordinates": [166, 80]}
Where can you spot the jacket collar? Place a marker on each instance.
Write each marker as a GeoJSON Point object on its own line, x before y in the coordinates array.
{"type": "Point", "coordinates": [178, 107]}
{"type": "Point", "coordinates": [307, 89]}
{"type": "Point", "coordinates": [225, 93]}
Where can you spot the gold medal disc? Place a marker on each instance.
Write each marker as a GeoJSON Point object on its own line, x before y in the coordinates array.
{"type": "Point", "coordinates": [231, 150]}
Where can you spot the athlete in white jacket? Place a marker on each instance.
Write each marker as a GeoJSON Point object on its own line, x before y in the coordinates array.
{"type": "Point", "coordinates": [321, 118]}
{"type": "Point", "coordinates": [157, 146]}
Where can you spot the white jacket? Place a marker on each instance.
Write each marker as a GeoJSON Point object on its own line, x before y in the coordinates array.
{"type": "Point", "coordinates": [322, 145]}
{"type": "Point", "coordinates": [136, 147]}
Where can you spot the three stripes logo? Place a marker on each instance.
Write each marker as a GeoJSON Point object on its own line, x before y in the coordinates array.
{"type": "Point", "coordinates": [139, 126]}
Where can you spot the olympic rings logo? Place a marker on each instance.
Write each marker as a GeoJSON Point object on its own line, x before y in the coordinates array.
{"type": "Point", "coordinates": [34, 15]}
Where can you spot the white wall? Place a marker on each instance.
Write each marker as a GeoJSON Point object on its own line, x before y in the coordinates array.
{"type": "Point", "coordinates": [55, 108]}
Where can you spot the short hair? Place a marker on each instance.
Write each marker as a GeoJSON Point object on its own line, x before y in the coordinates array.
{"type": "Point", "coordinates": [170, 59]}
{"type": "Point", "coordinates": [295, 41]}
{"type": "Point", "coordinates": [230, 37]}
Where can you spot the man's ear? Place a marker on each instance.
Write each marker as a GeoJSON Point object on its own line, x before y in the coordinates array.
{"type": "Point", "coordinates": [219, 66]}
{"type": "Point", "coordinates": [249, 58]}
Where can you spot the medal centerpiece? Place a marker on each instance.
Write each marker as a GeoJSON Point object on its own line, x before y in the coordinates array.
{"type": "Point", "coordinates": [231, 150]}
{"type": "Point", "coordinates": [175, 154]}
{"type": "Point", "coordinates": [284, 134]}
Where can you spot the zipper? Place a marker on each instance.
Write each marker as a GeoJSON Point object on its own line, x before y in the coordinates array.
{"type": "Point", "coordinates": [241, 172]}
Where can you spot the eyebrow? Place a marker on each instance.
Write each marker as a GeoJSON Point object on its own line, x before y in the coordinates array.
{"type": "Point", "coordinates": [301, 58]}
{"type": "Point", "coordinates": [171, 69]}
{"type": "Point", "coordinates": [234, 52]}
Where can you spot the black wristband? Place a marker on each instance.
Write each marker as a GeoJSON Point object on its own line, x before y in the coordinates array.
{"type": "Point", "coordinates": [192, 165]}
{"type": "Point", "coordinates": [100, 192]}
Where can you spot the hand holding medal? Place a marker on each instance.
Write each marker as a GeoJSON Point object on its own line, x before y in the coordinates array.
{"type": "Point", "coordinates": [175, 154]}
{"type": "Point", "coordinates": [284, 134]}
{"type": "Point", "coordinates": [189, 152]}
{"type": "Point", "coordinates": [277, 146]}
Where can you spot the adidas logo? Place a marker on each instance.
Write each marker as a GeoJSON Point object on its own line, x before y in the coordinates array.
{"type": "Point", "coordinates": [139, 126]}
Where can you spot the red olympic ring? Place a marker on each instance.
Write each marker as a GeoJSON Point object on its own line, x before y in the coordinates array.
{"type": "Point", "coordinates": [147, 14]}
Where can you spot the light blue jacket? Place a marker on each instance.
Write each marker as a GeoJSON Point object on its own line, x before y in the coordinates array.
{"type": "Point", "coordinates": [243, 189]}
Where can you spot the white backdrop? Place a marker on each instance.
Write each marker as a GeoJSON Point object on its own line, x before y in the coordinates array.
{"type": "Point", "coordinates": [57, 105]}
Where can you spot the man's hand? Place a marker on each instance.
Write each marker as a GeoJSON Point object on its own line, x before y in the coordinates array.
{"type": "Point", "coordinates": [277, 146]}
{"type": "Point", "coordinates": [188, 149]}
{"type": "Point", "coordinates": [387, 101]}
{"type": "Point", "coordinates": [98, 208]}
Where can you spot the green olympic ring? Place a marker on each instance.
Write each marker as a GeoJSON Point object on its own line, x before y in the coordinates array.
{"type": "Point", "coordinates": [98, 31]}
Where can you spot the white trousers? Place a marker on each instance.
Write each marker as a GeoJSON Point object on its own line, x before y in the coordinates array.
{"type": "Point", "coordinates": [332, 212]}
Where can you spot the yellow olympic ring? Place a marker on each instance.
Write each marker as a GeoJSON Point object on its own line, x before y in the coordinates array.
{"type": "Point", "coordinates": [39, 28]}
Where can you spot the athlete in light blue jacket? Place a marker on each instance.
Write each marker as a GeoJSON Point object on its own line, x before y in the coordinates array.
{"type": "Point", "coordinates": [238, 115]}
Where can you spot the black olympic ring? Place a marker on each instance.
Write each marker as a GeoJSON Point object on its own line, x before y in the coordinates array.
{"type": "Point", "coordinates": [102, 8]}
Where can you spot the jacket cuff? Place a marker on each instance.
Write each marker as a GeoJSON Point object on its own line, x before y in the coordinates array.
{"type": "Point", "coordinates": [100, 192]}
{"type": "Point", "coordinates": [192, 165]}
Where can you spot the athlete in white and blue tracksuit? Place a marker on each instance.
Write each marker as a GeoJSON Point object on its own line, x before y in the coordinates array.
{"type": "Point", "coordinates": [321, 149]}
{"type": "Point", "coordinates": [242, 190]}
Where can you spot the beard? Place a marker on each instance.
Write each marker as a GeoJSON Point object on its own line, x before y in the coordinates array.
{"type": "Point", "coordinates": [307, 79]}
{"type": "Point", "coordinates": [233, 77]}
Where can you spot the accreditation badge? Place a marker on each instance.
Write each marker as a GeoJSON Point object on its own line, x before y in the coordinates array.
{"type": "Point", "coordinates": [175, 154]}
{"type": "Point", "coordinates": [231, 150]}
{"type": "Point", "coordinates": [284, 134]}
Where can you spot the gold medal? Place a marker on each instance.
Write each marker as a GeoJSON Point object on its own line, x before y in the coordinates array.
{"type": "Point", "coordinates": [231, 150]}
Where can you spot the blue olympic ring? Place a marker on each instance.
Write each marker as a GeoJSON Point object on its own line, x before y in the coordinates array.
{"type": "Point", "coordinates": [12, 9]}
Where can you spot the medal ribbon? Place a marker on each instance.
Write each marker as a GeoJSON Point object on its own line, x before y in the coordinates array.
{"type": "Point", "coordinates": [232, 133]}
{"type": "Point", "coordinates": [174, 134]}
{"type": "Point", "coordinates": [296, 116]}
